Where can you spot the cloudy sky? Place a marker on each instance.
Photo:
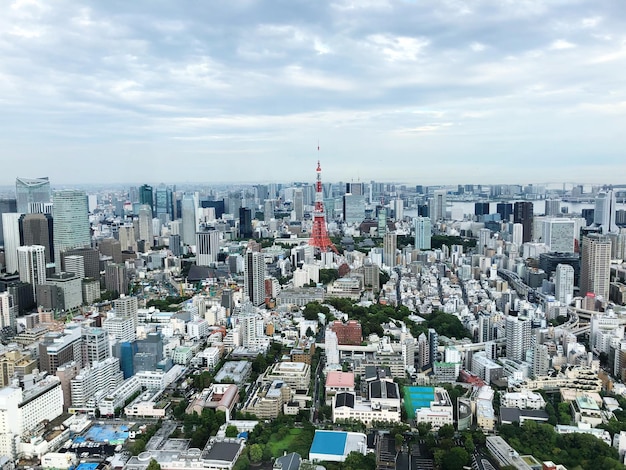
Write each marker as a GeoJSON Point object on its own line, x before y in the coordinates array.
{"type": "Point", "coordinates": [421, 91]}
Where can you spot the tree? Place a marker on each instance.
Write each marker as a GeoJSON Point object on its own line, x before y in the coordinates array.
{"type": "Point", "coordinates": [446, 431]}
{"type": "Point", "coordinates": [423, 428]}
{"type": "Point", "coordinates": [455, 459]}
{"type": "Point", "coordinates": [399, 438]}
{"type": "Point", "coordinates": [255, 453]}
{"type": "Point", "coordinates": [153, 465]}
{"type": "Point", "coordinates": [231, 431]}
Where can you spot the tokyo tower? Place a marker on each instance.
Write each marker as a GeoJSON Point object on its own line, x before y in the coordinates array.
{"type": "Point", "coordinates": [319, 238]}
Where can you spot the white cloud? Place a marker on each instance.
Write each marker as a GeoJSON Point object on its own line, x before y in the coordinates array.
{"type": "Point", "coordinates": [561, 44]}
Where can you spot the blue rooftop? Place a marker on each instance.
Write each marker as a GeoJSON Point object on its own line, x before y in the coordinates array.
{"type": "Point", "coordinates": [87, 466]}
{"type": "Point", "coordinates": [329, 442]}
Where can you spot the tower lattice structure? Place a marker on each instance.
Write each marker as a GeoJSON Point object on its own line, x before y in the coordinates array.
{"type": "Point", "coordinates": [320, 238]}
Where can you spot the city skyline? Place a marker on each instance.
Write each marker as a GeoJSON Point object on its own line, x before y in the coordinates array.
{"type": "Point", "coordinates": [430, 93]}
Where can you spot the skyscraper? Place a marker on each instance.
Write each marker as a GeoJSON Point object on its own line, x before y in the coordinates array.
{"type": "Point", "coordinates": [207, 247]}
{"type": "Point", "coordinates": [30, 190]}
{"type": "Point", "coordinates": [127, 307]}
{"type": "Point", "coordinates": [146, 197]}
{"type": "Point", "coordinates": [245, 223]}
{"type": "Point", "coordinates": [423, 233]}
{"type": "Point", "coordinates": [190, 220]}
{"type": "Point", "coordinates": [438, 205]}
{"type": "Point", "coordinates": [564, 283]}
{"type": "Point", "coordinates": [32, 265]}
{"type": "Point", "coordinates": [298, 203]}
{"type": "Point", "coordinates": [7, 310]}
{"type": "Point", "coordinates": [254, 277]}
{"type": "Point", "coordinates": [604, 213]}
{"type": "Point", "coordinates": [70, 222]}
{"type": "Point", "coordinates": [145, 225]}
{"type": "Point", "coordinates": [6, 206]}
{"type": "Point", "coordinates": [390, 243]}
{"type": "Point", "coordinates": [11, 230]}
{"type": "Point", "coordinates": [553, 207]}
{"type": "Point", "coordinates": [518, 337]}
{"type": "Point", "coordinates": [505, 209]}
{"type": "Point", "coordinates": [558, 235]}
{"type": "Point", "coordinates": [523, 214]}
{"type": "Point", "coordinates": [595, 265]}
{"type": "Point", "coordinates": [37, 229]}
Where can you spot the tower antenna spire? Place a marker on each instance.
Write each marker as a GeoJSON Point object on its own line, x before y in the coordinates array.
{"type": "Point", "coordinates": [319, 237]}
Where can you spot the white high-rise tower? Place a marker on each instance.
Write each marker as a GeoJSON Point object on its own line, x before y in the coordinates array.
{"type": "Point", "coordinates": [32, 265]}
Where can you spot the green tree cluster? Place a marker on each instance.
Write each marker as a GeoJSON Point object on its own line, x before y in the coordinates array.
{"type": "Point", "coordinates": [199, 427]}
{"type": "Point", "coordinates": [571, 450]}
{"type": "Point", "coordinates": [138, 445]}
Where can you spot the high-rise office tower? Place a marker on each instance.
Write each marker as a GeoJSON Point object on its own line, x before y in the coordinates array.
{"type": "Point", "coordinates": [604, 212]}
{"type": "Point", "coordinates": [146, 196]}
{"type": "Point", "coordinates": [127, 307]}
{"type": "Point", "coordinates": [553, 207]}
{"type": "Point", "coordinates": [505, 209]}
{"type": "Point", "coordinates": [484, 235]}
{"type": "Point", "coordinates": [6, 206]}
{"type": "Point", "coordinates": [390, 244]}
{"type": "Point", "coordinates": [128, 240]}
{"type": "Point", "coordinates": [163, 202]}
{"type": "Point", "coordinates": [423, 233]}
{"type": "Point", "coordinates": [523, 214]}
{"type": "Point", "coordinates": [245, 223]}
{"type": "Point", "coordinates": [174, 245]}
{"type": "Point", "coordinates": [11, 230]}
{"type": "Point", "coordinates": [37, 229]}
{"type": "Point", "coordinates": [31, 190]}
{"type": "Point", "coordinates": [559, 235]}
{"type": "Point", "coordinates": [207, 247]}
{"type": "Point", "coordinates": [438, 205]}
{"type": "Point", "coordinates": [298, 203]}
{"type": "Point", "coordinates": [111, 247]}
{"type": "Point", "coordinates": [190, 219]}
{"type": "Point", "coordinates": [518, 337]}
{"type": "Point", "coordinates": [7, 310]}
{"type": "Point", "coordinates": [564, 283]}
{"type": "Point", "coordinates": [382, 221]}
{"type": "Point", "coordinates": [75, 264]}
{"type": "Point", "coordinates": [145, 225]}
{"type": "Point", "coordinates": [268, 209]}
{"type": "Point", "coordinates": [254, 277]}
{"type": "Point", "coordinates": [595, 266]}
{"type": "Point", "coordinates": [32, 265]}
{"type": "Point", "coordinates": [70, 222]}
{"type": "Point", "coordinates": [95, 345]}
{"type": "Point", "coordinates": [481, 208]}
{"type": "Point", "coordinates": [115, 278]}
{"type": "Point", "coordinates": [90, 261]}
{"type": "Point", "coordinates": [398, 209]}
{"type": "Point", "coordinates": [353, 208]}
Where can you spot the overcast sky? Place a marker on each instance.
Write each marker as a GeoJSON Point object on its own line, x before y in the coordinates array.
{"type": "Point", "coordinates": [440, 91]}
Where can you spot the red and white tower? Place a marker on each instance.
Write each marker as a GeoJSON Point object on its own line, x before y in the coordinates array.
{"type": "Point", "coordinates": [320, 238]}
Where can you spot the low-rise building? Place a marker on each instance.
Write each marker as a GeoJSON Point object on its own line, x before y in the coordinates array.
{"type": "Point", "coordinates": [236, 371]}
{"type": "Point", "coordinates": [524, 399]}
{"type": "Point", "coordinates": [336, 382]}
{"type": "Point", "coordinates": [218, 397]}
{"type": "Point", "coordinates": [267, 399]}
{"type": "Point", "coordinates": [384, 404]}
{"type": "Point", "coordinates": [439, 412]}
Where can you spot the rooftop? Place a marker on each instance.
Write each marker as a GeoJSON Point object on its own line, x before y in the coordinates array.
{"type": "Point", "coordinates": [340, 379]}
{"type": "Point", "coordinates": [329, 442]}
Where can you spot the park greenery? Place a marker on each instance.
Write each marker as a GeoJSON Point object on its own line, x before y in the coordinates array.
{"type": "Point", "coordinates": [373, 317]}
{"type": "Point", "coordinates": [575, 450]}
{"type": "Point", "coordinates": [169, 304]}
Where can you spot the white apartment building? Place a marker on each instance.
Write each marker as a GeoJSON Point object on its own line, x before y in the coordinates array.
{"type": "Point", "coordinates": [524, 399]}
{"type": "Point", "coordinates": [21, 411]}
{"type": "Point", "coordinates": [101, 376]}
